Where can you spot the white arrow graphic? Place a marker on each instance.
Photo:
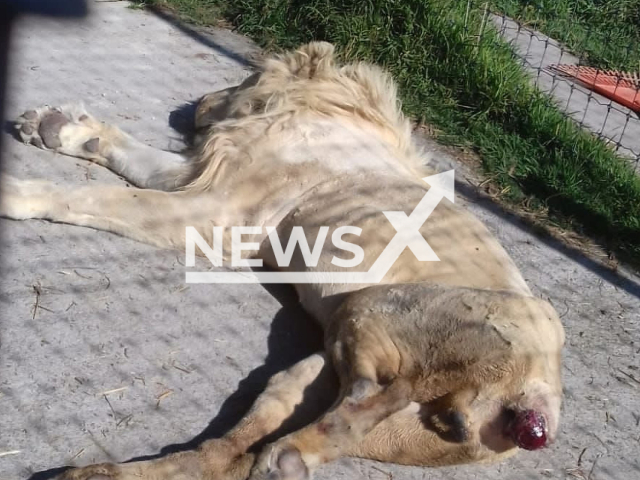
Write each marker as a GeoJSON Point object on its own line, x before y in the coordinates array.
{"type": "Point", "coordinates": [408, 228]}
{"type": "Point", "coordinates": [407, 236]}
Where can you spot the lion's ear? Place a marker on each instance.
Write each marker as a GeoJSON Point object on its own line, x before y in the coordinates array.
{"type": "Point", "coordinates": [311, 60]}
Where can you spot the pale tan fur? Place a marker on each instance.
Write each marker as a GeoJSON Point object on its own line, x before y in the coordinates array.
{"type": "Point", "coordinates": [308, 143]}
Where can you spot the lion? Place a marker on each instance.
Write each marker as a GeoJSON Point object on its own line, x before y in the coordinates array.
{"type": "Point", "coordinates": [440, 363]}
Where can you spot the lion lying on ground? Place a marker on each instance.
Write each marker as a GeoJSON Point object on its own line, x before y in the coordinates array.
{"type": "Point", "coordinates": [441, 363]}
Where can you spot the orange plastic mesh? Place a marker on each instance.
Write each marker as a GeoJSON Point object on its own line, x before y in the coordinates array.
{"type": "Point", "coordinates": [621, 87]}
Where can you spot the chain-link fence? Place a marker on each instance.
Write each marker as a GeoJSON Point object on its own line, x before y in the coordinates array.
{"type": "Point", "coordinates": [591, 68]}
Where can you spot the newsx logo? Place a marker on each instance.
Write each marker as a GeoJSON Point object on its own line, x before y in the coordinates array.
{"type": "Point", "coordinates": [407, 236]}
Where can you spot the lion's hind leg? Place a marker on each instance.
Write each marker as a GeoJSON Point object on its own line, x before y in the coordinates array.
{"type": "Point", "coordinates": [229, 457]}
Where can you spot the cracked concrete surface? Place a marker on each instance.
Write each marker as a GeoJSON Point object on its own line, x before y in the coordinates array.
{"type": "Point", "coordinates": [121, 359]}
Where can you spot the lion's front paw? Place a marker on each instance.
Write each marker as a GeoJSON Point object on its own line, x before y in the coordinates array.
{"type": "Point", "coordinates": [68, 129]}
{"type": "Point", "coordinates": [23, 199]}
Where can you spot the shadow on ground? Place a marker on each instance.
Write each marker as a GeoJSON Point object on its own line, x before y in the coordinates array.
{"type": "Point", "coordinates": [629, 285]}
{"type": "Point", "coordinates": [293, 336]}
{"type": "Point", "coordinates": [206, 39]}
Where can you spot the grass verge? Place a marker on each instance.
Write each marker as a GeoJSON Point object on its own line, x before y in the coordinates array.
{"type": "Point", "coordinates": [470, 87]}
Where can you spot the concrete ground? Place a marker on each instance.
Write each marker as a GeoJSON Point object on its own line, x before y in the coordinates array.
{"type": "Point", "coordinates": [106, 353]}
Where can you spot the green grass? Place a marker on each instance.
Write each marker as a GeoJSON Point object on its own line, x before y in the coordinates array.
{"type": "Point", "coordinates": [603, 33]}
{"type": "Point", "coordinates": [199, 12]}
{"type": "Point", "coordinates": [473, 90]}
